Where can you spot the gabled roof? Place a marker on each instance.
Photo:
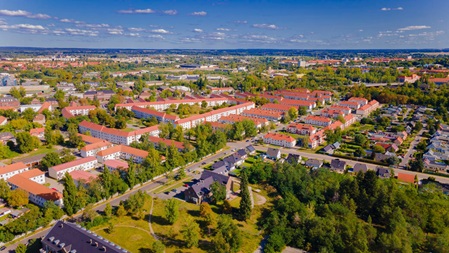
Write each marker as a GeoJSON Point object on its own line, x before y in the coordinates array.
{"type": "Point", "coordinates": [74, 163]}
{"type": "Point", "coordinates": [273, 152]}
{"type": "Point", "coordinates": [338, 164]}
{"type": "Point", "coordinates": [293, 158]}
{"type": "Point", "coordinates": [12, 167]}
{"type": "Point", "coordinates": [34, 188]}
{"type": "Point", "coordinates": [360, 167]}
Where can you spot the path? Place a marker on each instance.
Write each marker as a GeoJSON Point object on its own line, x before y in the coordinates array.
{"type": "Point", "coordinates": [411, 149]}
{"type": "Point", "coordinates": [125, 226]}
{"type": "Point", "coordinates": [259, 199]}
{"type": "Point", "coordinates": [149, 219]}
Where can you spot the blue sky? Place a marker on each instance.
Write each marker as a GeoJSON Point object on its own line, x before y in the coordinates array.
{"type": "Point", "coordinates": [225, 24]}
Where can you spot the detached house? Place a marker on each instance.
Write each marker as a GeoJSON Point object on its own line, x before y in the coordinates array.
{"type": "Point", "coordinates": [201, 191]}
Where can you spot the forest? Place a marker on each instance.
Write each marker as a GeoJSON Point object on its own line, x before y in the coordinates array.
{"type": "Point", "coordinates": [322, 211]}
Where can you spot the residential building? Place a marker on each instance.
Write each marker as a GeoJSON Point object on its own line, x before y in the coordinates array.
{"type": "Point", "coordinates": [116, 165]}
{"type": "Point", "coordinates": [201, 191]}
{"type": "Point", "coordinates": [58, 172]}
{"type": "Point", "coordinates": [35, 175]}
{"type": "Point", "coordinates": [351, 104]}
{"type": "Point", "coordinates": [318, 120]}
{"type": "Point", "coordinates": [158, 141]}
{"type": "Point", "coordinates": [273, 154]}
{"type": "Point", "coordinates": [259, 113]}
{"type": "Point", "coordinates": [314, 163]}
{"type": "Point", "coordinates": [231, 119]}
{"type": "Point", "coordinates": [360, 167]}
{"type": "Point", "coordinates": [122, 152]}
{"type": "Point", "coordinates": [282, 108]}
{"type": "Point", "coordinates": [37, 193]}
{"type": "Point", "coordinates": [11, 170]}
{"type": "Point", "coordinates": [81, 177]}
{"type": "Point", "coordinates": [338, 165]}
{"type": "Point", "coordinates": [38, 132]}
{"type": "Point", "coordinates": [147, 113]}
{"type": "Point", "coordinates": [100, 95]}
{"type": "Point", "coordinates": [368, 108]}
{"type": "Point", "coordinates": [72, 238]}
{"type": "Point", "coordinates": [72, 111]}
{"type": "Point", "coordinates": [293, 159]}
{"type": "Point", "coordinates": [361, 101]}
{"type": "Point", "coordinates": [279, 140]}
{"type": "Point", "coordinates": [3, 121]}
{"type": "Point", "coordinates": [302, 129]}
{"type": "Point", "coordinates": [93, 148]}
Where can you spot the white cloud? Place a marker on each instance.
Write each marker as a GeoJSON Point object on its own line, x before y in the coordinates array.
{"type": "Point", "coordinates": [17, 13]}
{"type": "Point", "coordinates": [241, 22]}
{"type": "Point", "coordinates": [158, 37]}
{"type": "Point", "coordinates": [199, 13]}
{"type": "Point", "coordinates": [223, 29]}
{"type": "Point", "coordinates": [66, 20]}
{"type": "Point", "coordinates": [22, 13]}
{"type": "Point", "coordinates": [115, 31]}
{"type": "Point", "coordinates": [266, 26]}
{"type": "Point", "coordinates": [260, 39]}
{"type": "Point", "coordinates": [28, 26]}
{"type": "Point", "coordinates": [198, 30]}
{"type": "Point", "coordinates": [137, 11]}
{"type": "Point", "coordinates": [170, 12]}
{"type": "Point", "coordinates": [414, 27]}
{"type": "Point", "coordinates": [161, 31]}
{"type": "Point", "coordinates": [134, 34]}
{"type": "Point", "coordinates": [136, 29]}
{"type": "Point", "coordinates": [214, 36]}
{"type": "Point", "coordinates": [82, 32]}
{"type": "Point", "coordinates": [392, 9]}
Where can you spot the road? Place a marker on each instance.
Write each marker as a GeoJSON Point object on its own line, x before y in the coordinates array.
{"type": "Point", "coordinates": [328, 158]}
{"type": "Point", "coordinates": [411, 149]}
{"type": "Point", "coordinates": [148, 187]}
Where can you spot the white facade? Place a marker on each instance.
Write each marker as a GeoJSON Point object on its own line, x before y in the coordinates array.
{"type": "Point", "coordinates": [58, 173]}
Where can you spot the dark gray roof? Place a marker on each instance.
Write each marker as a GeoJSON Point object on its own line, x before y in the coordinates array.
{"type": "Point", "coordinates": [241, 152]}
{"type": "Point", "coordinates": [234, 158]}
{"type": "Point", "coordinates": [360, 167]}
{"type": "Point", "coordinates": [250, 148]}
{"type": "Point", "coordinates": [206, 180]}
{"type": "Point", "coordinates": [383, 172]}
{"type": "Point", "coordinates": [74, 239]}
{"type": "Point", "coordinates": [223, 179]}
{"type": "Point", "coordinates": [293, 158]}
{"type": "Point", "coordinates": [338, 164]}
{"type": "Point", "coordinates": [273, 152]}
{"type": "Point", "coordinates": [314, 163]}
{"type": "Point", "coordinates": [328, 148]}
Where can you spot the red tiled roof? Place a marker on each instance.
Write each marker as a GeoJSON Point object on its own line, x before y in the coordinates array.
{"type": "Point", "coordinates": [37, 130]}
{"type": "Point", "coordinates": [2, 119]}
{"type": "Point", "coordinates": [302, 126]}
{"type": "Point", "coordinates": [264, 112]}
{"type": "Point", "coordinates": [83, 175]}
{"type": "Point", "coordinates": [32, 173]}
{"type": "Point", "coordinates": [95, 145]}
{"type": "Point", "coordinates": [73, 163]}
{"type": "Point", "coordinates": [155, 113]}
{"type": "Point", "coordinates": [125, 149]}
{"type": "Point", "coordinates": [280, 137]}
{"type": "Point", "coordinates": [238, 118]}
{"type": "Point", "coordinates": [280, 107]}
{"type": "Point", "coordinates": [12, 167]}
{"type": "Point", "coordinates": [90, 139]}
{"type": "Point", "coordinates": [116, 164]}
{"type": "Point", "coordinates": [34, 188]}
{"type": "Point", "coordinates": [167, 142]}
{"type": "Point", "coordinates": [318, 118]}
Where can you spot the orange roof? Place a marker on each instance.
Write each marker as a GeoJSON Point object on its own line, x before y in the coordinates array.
{"type": "Point", "coordinates": [45, 105]}
{"type": "Point", "coordinates": [318, 118]}
{"type": "Point", "coordinates": [34, 188]}
{"type": "Point", "coordinates": [89, 139]}
{"type": "Point", "coordinates": [280, 107]}
{"type": "Point", "coordinates": [264, 112]}
{"type": "Point", "coordinates": [83, 175]}
{"type": "Point", "coordinates": [167, 142]}
{"type": "Point", "coordinates": [302, 126]}
{"type": "Point", "coordinates": [37, 130]}
{"type": "Point", "coordinates": [155, 113]}
{"type": "Point", "coordinates": [124, 149]}
{"type": "Point", "coordinates": [218, 125]}
{"type": "Point", "coordinates": [116, 132]}
{"type": "Point", "coordinates": [280, 137]}
{"type": "Point", "coordinates": [12, 167]}
{"type": "Point", "coordinates": [237, 118]}
{"type": "Point", "coordinates": [95, 145]}
{"type": "Point", "coordinates": [2, 119]}
{"type": "Point", "coordinates": [349, 117]}
{"type": "Point", "coordinates": [348, 103]}
{"type": "Point", "coordinates": [32, 173]}
{"type": "Point", "coordinates": [408, 178]}
{"type": "Point", "coordinates": [358, 99]}
{"type": "Point", "coordinates": [74, 163]}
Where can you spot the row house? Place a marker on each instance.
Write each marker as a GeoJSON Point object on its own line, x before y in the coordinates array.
{"type": "Point", "coordinates": [213, 116]}
{"type": "Point", "coordinates": [115, 135]}
{"type": "Point", "coordinates": [317, 139]}
{"type": "Point", "coordinates": [157, 141]}
{"type": "Point", "coordinates": [231, 119]}
{"type": "Point", "coordinates": [57, 172]}
{"type": "Point", "coordinates": [277, 107]}
{"type": "Point", "coordinates": [9, 102]}
{"type": "Point", "coordinates": [300, 103]}
{"type": "Point", "coordinates": [165, 104]}
{"type": "Point", "coordinates": [221, 90]}
{"type": "Point", "coordinates": [279, 140]}
{"type": "Point", "coordinates": [11, 170]}
{"type": "Point", "coordinates": [145, 113]}
{"type": "Point", "coordinates": [259, 113]}
{"type": "Point", "coordinates": [330, 113]}
{"type": "Point", "coordinates": [368, 108]}
{"type": "Point", "coordinates": [93, 148]}
{"type": "Point", "coordinates": [122, 152]}
{"type": "Point", "coordinates": [351, 104]}
{"type": "Point", "coordinates": [72, 111]}
{"type": "Point", "coordinates": [293, 95]}
{"type": "Point", "coordinates": [302, 129]}
{"type": "Point", "coordinates": [217, 126]}
{"type": "Point", "coordinates": [100, 95]}
{"type": "Point", "coordinates": [37, 193]}
{"type": "Point", "coordinates": [89, 139]}
{"type": "Point", "coordinates": [318, 120]}
{"type": "Point", "coordinates": [346, 110]}
{"type": "Point", "coordinates": [35, 175]}
{"type": "Point", "coordinates": [361, 101]}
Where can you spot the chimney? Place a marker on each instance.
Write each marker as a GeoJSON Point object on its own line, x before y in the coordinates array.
{"type": "Point", "coordinates": [96, 244]}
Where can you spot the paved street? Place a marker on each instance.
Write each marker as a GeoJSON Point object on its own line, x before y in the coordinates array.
{"type": "Point", "coordinates": [411, 149]}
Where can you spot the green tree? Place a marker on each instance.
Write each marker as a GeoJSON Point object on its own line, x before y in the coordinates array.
{"type": "Point", "coordinates": [293, 113]}
{"type": "Point", "coordinates": [359, 152]}
{"type": "Point", "coordinates": [302, 110]}
{"type": "Point", "coordinates": [5, 190]}
{"type": "Point", "coordinates": [378, 149]}
{"type": "Point", "coordinates": [218, 192]}
{"type": "Point", "coordinates": [158, 247]}
{"type": "Point", "coordinates": [29, 114]}
{"type": "Point", "coordinates": [108, 210]}
{"type": "Point", "coordinates": [250, 128]}
{"type": "Point", "coordinates": [51, 159]}
{"type": "Point", "coordinates": [208, 215]}
{"type": "Point", "coordinates": [26, 142]}
{"type": "Point", "coordinates": [70, 194]}
{"type": "Point", "coordinates": [121, 211]}
{"type": "Point", "coordinates": [228, 237]}
{"type": "Point", "coordinates": [21, 248]}
{"type": "Point", "coordinates": [360, 139]}
{"type": "Point", "coordinates": [171, 210]}
{"type": "Point", "coordinates": [245, 202]}
{"type": "Point", "coordinates": [17, 198]}
{"type": "Point", "coordinates": [191, 233]}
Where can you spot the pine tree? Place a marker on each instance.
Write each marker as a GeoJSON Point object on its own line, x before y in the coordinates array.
{"type": "Point", "coordinates": [245, 202]}
{"type": "Point", "coordinates": [70, 195]}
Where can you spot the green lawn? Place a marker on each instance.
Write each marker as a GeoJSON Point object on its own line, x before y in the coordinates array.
{"type": "Point", "coordinates": [129, 232]}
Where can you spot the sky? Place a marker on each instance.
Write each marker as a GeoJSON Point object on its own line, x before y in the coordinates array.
{"type": "Point", "coordinates": [225, 24]}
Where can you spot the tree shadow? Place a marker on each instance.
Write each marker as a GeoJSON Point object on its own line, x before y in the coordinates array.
{"type": "Point", "coordinates": [159, 220]}
{"type": "Point", "coordinates": [194, 213]}
{"type": "Point", "coordinates": [205, 245]}
{"type": "Point", "coordinates": [145, 250]}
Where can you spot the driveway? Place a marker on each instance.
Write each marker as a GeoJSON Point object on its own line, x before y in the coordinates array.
{"type": "Point", "coordinates": [411, 150]}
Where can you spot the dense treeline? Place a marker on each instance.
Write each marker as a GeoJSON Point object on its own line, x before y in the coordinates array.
{"type": "Point", "coordinates": [322, 211]}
